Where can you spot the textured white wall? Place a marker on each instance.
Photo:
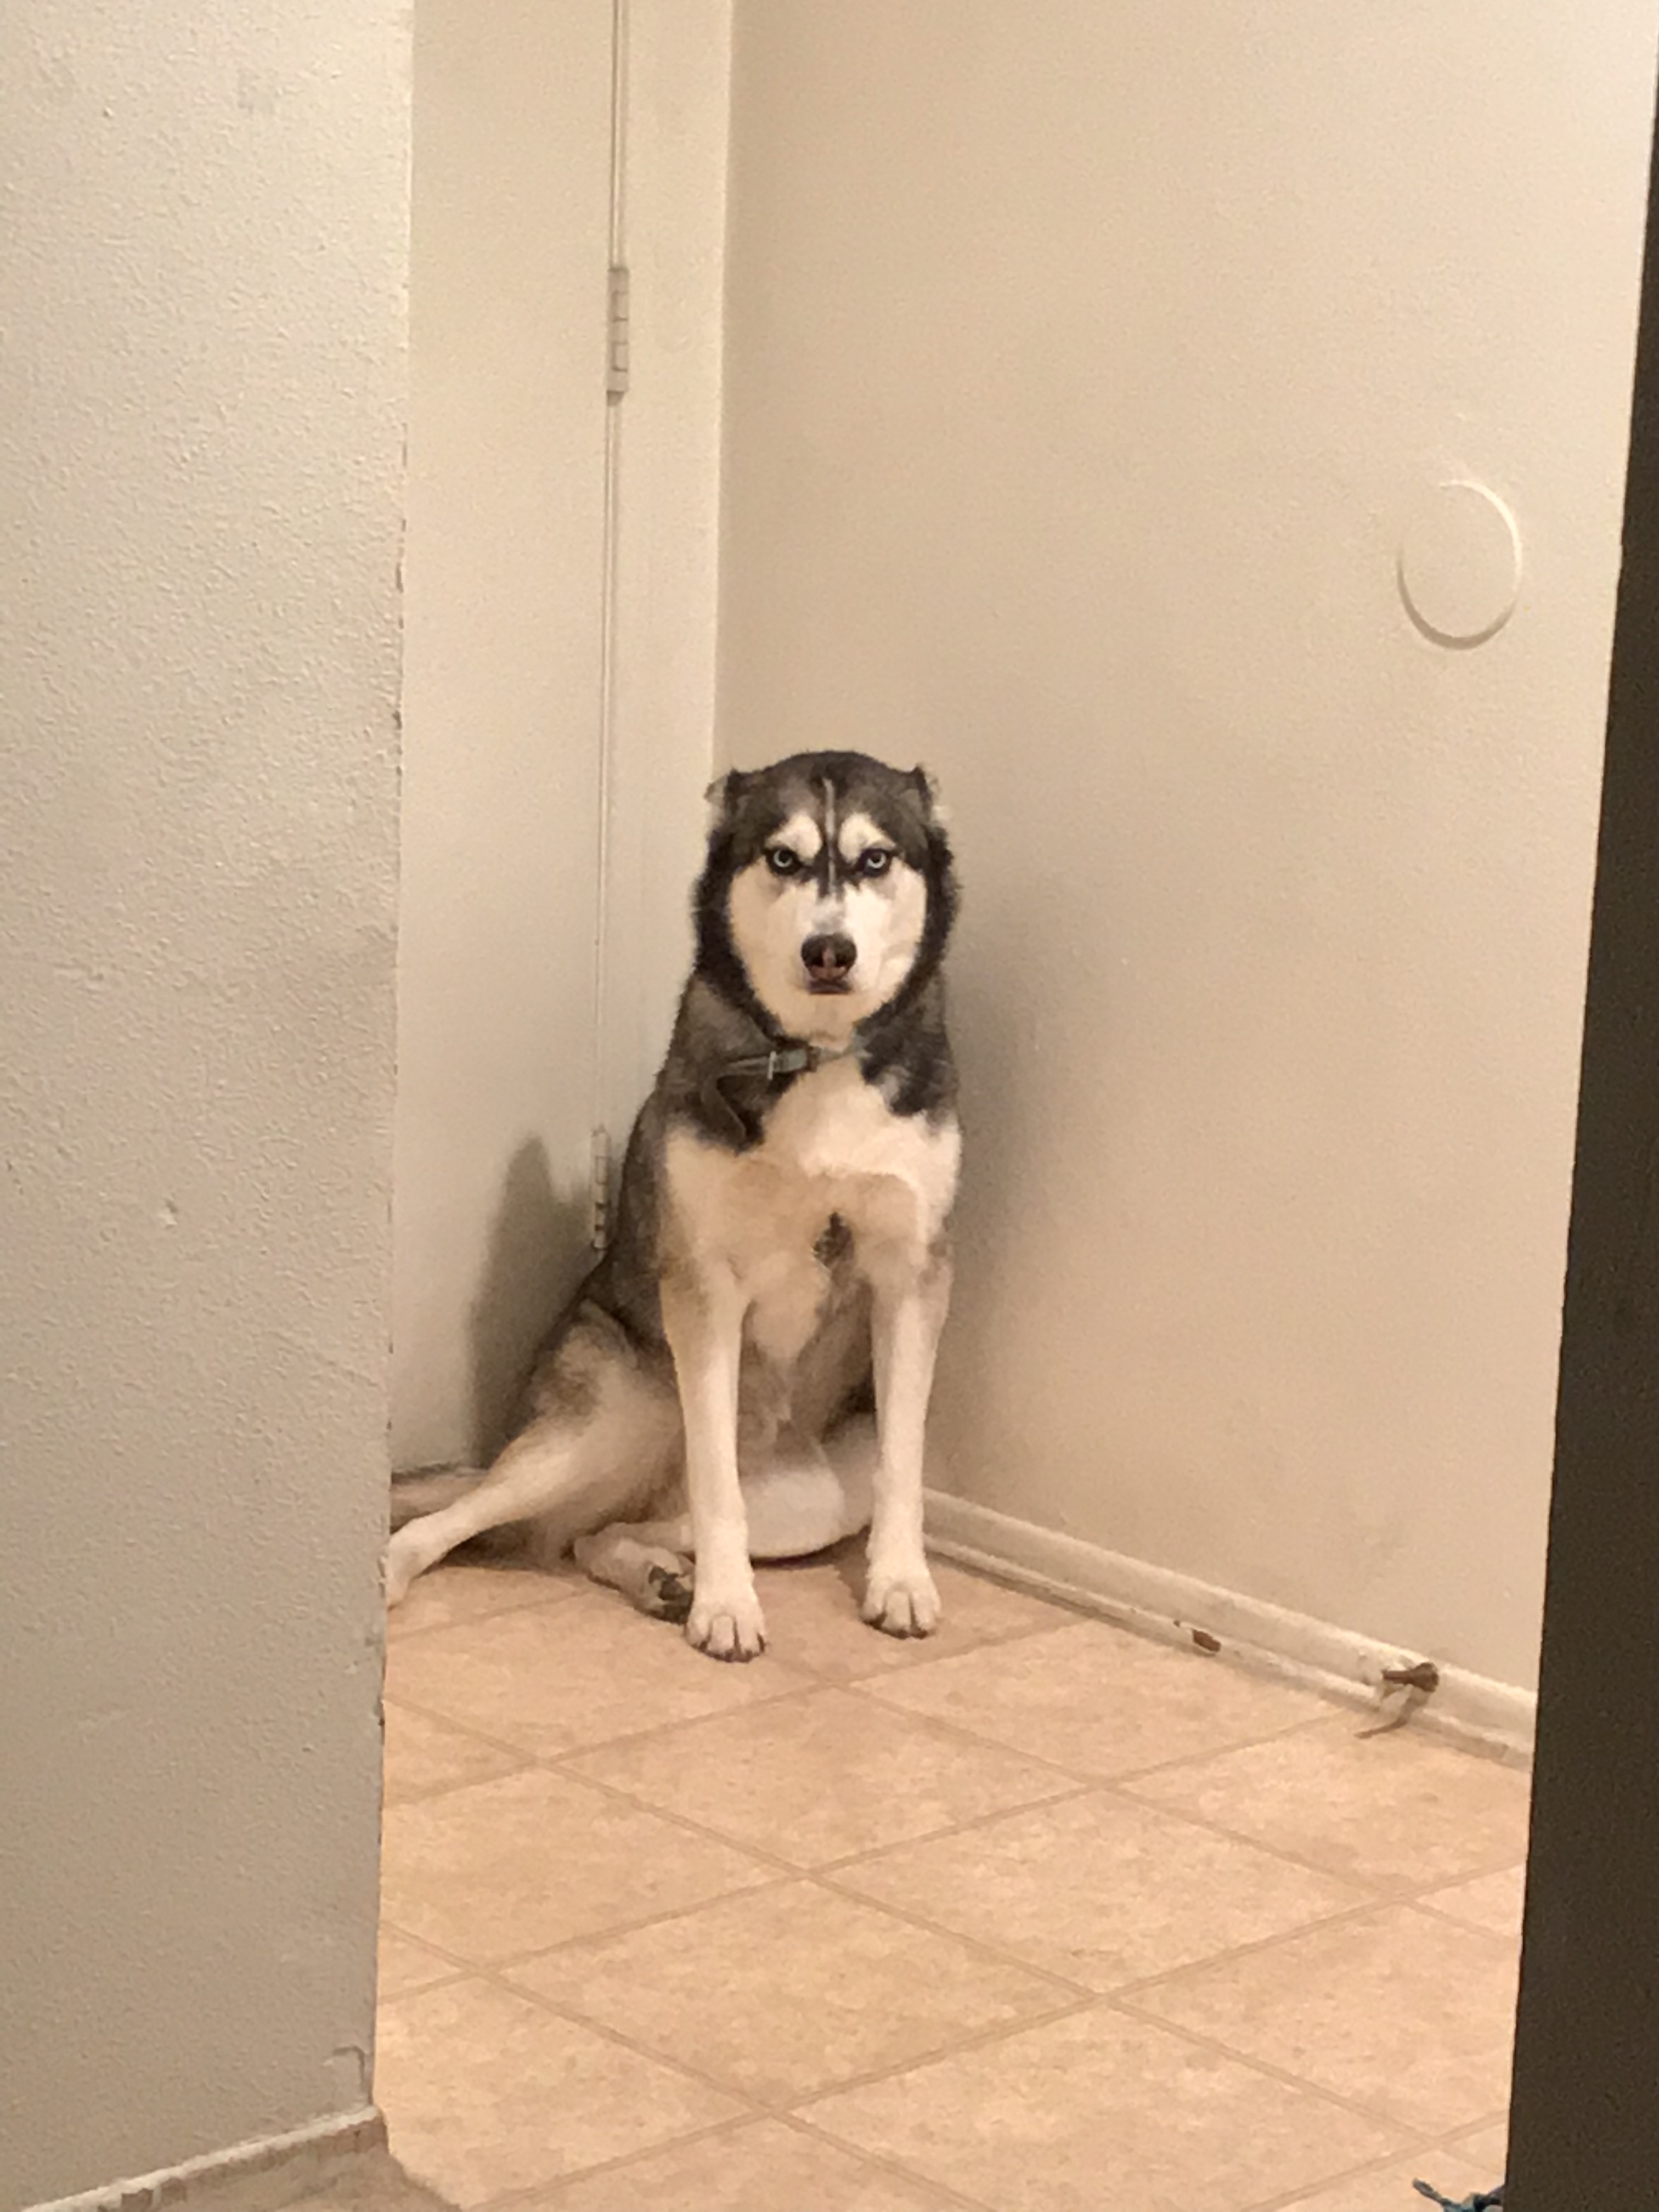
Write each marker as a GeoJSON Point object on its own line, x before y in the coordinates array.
{"type": "Point", "coordinates": [1082, 363]}
{"type": "Point", "coordinates": [202, 246]}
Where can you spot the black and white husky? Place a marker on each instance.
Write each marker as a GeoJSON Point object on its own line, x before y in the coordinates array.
{"type": "Point", "coordinates": [781, 1241]}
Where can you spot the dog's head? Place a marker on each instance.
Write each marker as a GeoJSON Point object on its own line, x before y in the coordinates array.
{"type": "Point", "coordinates": [829, 890]}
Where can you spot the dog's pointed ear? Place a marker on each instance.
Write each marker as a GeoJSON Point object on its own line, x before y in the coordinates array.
{"type": "Point", "coordinates": [926, 788]}
{"type": "Point", "coordinates": [723, 794]}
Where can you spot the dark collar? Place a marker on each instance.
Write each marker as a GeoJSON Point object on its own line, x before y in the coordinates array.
{"type": "Point", "coordinates": [784, 1060]}
{"type": "Point", "coordinates": [772, 1066]}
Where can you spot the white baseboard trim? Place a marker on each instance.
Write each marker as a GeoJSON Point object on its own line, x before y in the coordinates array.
{"type": "Point", "coordinates": [250, 2177]}
{"type": "Point", "coordinates": [1177, 1608]}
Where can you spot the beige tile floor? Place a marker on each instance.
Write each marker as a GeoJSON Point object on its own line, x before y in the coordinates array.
{"type": "Point", "coordinates": [1034, 1917]}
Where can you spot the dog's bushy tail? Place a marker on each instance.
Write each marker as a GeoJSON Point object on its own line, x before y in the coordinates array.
{"type": "Point", "coordinates": [430, 1491]}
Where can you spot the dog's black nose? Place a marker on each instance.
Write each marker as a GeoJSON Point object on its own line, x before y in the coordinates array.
{"type": "Point", "coordinates": [828, 961]}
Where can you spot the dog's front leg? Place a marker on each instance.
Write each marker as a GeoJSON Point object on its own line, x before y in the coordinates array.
{"type": "Point", "coordinates": [907, 1317]}
{"type": "Point", "coordinates": [703, 1321]}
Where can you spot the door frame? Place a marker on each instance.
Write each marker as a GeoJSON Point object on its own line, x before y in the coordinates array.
{"type": "Point", "coordinates": [671, 109]}
{"type": "Point", "coordinates": [1584, 2116]}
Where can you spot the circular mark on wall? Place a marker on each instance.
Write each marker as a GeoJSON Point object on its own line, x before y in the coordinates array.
{"type": "Point", "coordinates": [1460, 564]}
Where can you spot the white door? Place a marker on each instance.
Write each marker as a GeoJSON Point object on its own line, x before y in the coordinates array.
{"type": "Point", "coordinates": [504, 577]}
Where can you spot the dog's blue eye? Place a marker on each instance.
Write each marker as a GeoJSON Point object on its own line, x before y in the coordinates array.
{"type": "Point", "coordinates": [876, 862]}
{"type": "Point", "coordinates": [780, 860]}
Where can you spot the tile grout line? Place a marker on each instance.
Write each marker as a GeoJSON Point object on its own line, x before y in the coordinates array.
{"type": "Point", "coordinates": [1130, 2010]}
{"type": "Point", "coordinates": [974, 1822]}
{"type": "Point", "coordinates": [817, 1688]}
{"type": "Point", "coordinates": [539, 2191]}
{"type": "Point", "coordinates": [754, 2108]}
{"type": "Point", "coordinates": [556, 1592]}
{"type": "Point", "coordinates": [750, 2110]}
{"type": "Point", "coordinates": [1341, 1914]}
{"type": "Point", "coordinates": [548, 2192]}
{"type": "Point", "coordinates": [763, 2107]}
{"type": "Point", "coordinates": [780, 1879]}
{"type": "Point", "coordinates": [1424, 1902]}
{"type": "Point", "coordinates": [496, 1968]}
{"type": "Point", "coordinates": [822, 1879]}
{"type": "Point", "coordinates": [1345, 1916]}
{"type": "Point", "coordinates": [424, 1989]}
{"type": "Point", "coordinates": [1460, 2134]}
{"type": "Point", "coordinates": [783, 1869]}
{"type": "Point", "coordinates": [555, 1759]}
{"type": "Point", "coordinates": [562, 1762]}
{"type": "Point", "coordinates": [1360, 1909]}
{"type": "Point", "coordinates": [425, 1796]}
{"type": "Point", "coordinates": [1412, 2139]}
{"type": "Point", "coordinates": [1389, 1890]}
{"type": "Point", "coordinates": [869, 1686]}
{"type": "Point", "coordinates": [559, 1765]}
{"type": "Point", "coordinates": [1335, 1711]}
{"type": "Point", "coordinates": [1123, 1801]}
{"type": "Point", "coordinates": [781, 1873]}
{"type": "Point", "coordinates": [1377, 1890]}
{"type": "Point", "coordinates": [1060, 1984]}
{"type": "Point", "coordinates": [1510, 1945]}
{"type": "Point", "coordinates": [979, 2039]}
{"type": "Point", "coordinates": [1426, 2151]}
{"type": "Point", "coordinates": [884, 2162]}
{"type": "Point", "coordinates": [812, 1870]}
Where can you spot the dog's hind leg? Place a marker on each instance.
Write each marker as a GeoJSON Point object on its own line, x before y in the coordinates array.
{"type": "Point", "coordinates": [602, 1440]}
{"type": "Point", "coordinates": [536, 1472]}
{"type": "Point", "coordinates": [648, 1561]}
{"type": "Point", "coordinates": [430, 1491]}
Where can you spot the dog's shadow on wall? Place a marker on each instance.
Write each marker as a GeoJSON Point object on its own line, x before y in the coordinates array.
{"type": "Point", "coordinates": [537, 1253]}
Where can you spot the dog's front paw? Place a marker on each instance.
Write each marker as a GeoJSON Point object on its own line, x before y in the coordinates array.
{"type": "Point", "coordinates": [726, 1624]}
{"type": "Point", "coordinates": [901, 1600]}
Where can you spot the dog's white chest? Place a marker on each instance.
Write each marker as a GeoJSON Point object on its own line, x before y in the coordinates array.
{"type": "Point", "coordinates": [833, 1129]}
{"type": "Point", "coordinates": [833, 1148]}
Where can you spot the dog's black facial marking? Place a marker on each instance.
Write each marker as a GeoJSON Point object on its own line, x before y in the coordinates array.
{"type": "Point", "coordinates": [753, 807]}
{"type": "Point", "coordinates": [829, 868]}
